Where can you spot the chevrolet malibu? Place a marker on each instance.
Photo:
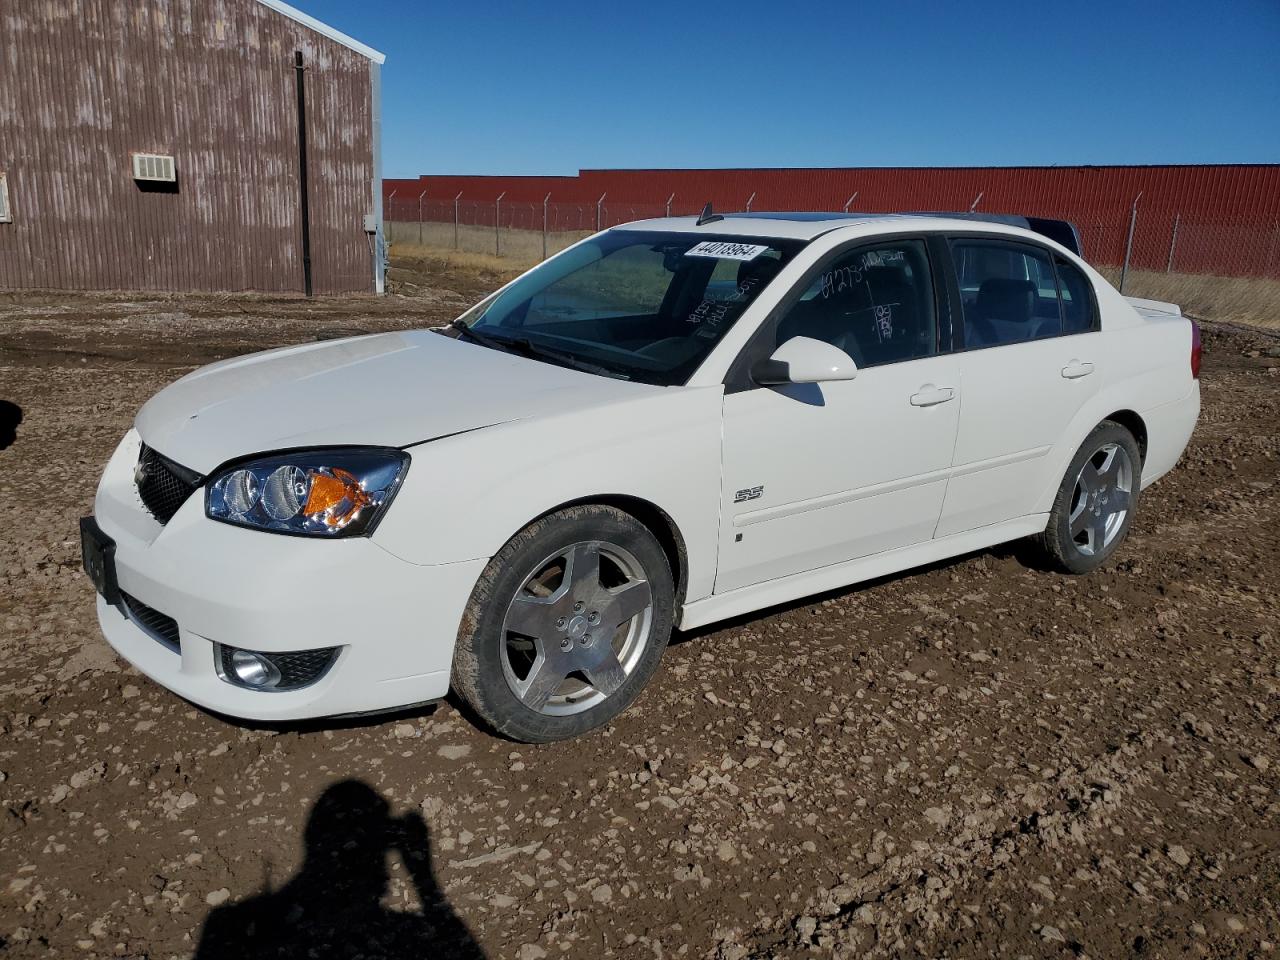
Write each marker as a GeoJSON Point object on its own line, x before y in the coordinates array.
{"type": "Point", "coordinates": [670, 423]}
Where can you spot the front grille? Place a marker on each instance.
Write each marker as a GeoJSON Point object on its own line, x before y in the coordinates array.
{"type": "Point", "coordinates": [162, 628]}
{"type": "Point", "coordinates": [298, 668]}
{"type": "Point", "coordinates": [163, 485]}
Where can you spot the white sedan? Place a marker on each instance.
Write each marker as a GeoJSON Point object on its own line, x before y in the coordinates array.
{"type": "Point", "coordinates": [671, 423]}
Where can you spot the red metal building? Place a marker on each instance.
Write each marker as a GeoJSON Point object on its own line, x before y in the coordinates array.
{"type": "Point", "coordinates": [1220, 200]}
{"type": "Point", "coordinates": [1217, 189]}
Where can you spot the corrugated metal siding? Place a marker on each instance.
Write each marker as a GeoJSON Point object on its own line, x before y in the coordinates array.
{"type": "Point", "coordinates": [442, 189]}
{"type": "Point", "coordinates": [88, 82]}
{"type": "Point", "coordinates": [1226, 190]}
{"type": "Point", "coordinates": [1234, 209]}
{"type": "Point", "coordinates": [1219, 189]}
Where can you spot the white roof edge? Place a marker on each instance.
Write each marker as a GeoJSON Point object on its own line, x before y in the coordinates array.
{"type": "Point", "coordinates": [812, 229]}
{"type": "Point", "coordinates": [337, 35]}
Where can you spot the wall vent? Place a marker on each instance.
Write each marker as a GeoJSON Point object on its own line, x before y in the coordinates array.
{"type": "Point", "coordinates": [154, 166]}
{"type": "Point", "coordinates": [6, 215]}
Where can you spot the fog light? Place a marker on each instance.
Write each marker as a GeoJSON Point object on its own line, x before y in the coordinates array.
{"type": "Point", "coordinates": [288, 670]}
{"type": "Point", "coordinates": [253, 669]}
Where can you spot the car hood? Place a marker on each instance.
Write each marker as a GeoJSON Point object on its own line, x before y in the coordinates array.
{"type": "Point", "coordinates": [392, 389]}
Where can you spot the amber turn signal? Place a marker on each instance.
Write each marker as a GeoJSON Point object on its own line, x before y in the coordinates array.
{"type": "Point", "coordinates": [335, 498]}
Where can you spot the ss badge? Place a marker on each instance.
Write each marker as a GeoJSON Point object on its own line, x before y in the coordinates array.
{"type": "Point", "coordinates": [750, 493]}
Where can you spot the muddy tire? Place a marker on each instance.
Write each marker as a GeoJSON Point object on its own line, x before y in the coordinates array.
{"type": "Point", "coordinates": [1096, 502]}
{"type": "Point", "coordinates": [566, 625]}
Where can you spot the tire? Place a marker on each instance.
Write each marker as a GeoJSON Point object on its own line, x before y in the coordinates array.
{"type": "Point", "coordinates": [535, 659]}
{"type": "Point", "coordinates": [1096, 502]}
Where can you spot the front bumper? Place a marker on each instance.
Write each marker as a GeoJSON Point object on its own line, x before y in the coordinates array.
{"type": "Point", "coordinates": [395, 621]}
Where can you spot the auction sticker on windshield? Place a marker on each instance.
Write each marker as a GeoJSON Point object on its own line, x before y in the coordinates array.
{"type": "Point", "coordinates": [724, 250]}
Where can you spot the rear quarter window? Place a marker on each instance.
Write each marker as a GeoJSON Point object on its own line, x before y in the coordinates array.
{"type": "Point", "coordinates": [1079, 306]}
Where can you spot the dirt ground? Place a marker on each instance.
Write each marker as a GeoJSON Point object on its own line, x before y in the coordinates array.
{"type": "Point", "coordinates": [975, 759]}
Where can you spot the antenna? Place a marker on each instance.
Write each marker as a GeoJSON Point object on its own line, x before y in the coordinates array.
{"type": "Point", "coordinates": [707, 215]}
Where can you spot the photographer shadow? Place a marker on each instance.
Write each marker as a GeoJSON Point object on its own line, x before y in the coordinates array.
{"type": "Point", "coordinates": [10, 417]}
{"type": "Point", "coordinates": [332, 908]}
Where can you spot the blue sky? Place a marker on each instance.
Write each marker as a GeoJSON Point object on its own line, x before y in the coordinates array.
{"type": "Point", "coordinates": [546, 88]}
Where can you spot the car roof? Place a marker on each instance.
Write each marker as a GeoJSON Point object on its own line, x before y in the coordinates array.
{"type": "Point", "coordinates": [808, 225]}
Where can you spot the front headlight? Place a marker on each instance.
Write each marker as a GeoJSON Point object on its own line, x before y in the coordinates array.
{"type": "Point", "coordinates": [319, 493]}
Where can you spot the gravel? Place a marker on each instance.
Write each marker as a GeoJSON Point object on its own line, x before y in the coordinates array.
{"type": "Point", "coordinates": [975, 759]}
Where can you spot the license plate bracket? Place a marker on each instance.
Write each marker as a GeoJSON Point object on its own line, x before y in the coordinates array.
{"type": "Point", "coordinates": [98, 554]}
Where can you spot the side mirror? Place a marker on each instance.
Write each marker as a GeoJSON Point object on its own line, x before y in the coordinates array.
{"type": "Point", "coordinates": [805, 360]}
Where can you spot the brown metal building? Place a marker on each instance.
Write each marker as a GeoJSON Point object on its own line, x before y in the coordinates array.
{"type": "Point", "coordinates": [154, 145]}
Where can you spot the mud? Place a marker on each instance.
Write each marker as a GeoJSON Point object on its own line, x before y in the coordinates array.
{"type": "Point", "coordinates": [976, 759]}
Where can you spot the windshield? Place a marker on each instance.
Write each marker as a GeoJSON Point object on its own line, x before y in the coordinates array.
{"type": "Point", "coordinates": [646, 306]}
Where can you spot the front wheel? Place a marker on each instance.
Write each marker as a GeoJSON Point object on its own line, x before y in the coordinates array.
{"type": "Point", "coordinates": [1095, 505]}
{"type": "Point", "coordinates": [566, 625]}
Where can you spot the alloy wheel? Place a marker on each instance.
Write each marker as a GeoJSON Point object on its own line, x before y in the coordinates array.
{"type": "Point", "coordinates": [1102, 499]}
{"type": "Point", "coordinates": [577, 626]}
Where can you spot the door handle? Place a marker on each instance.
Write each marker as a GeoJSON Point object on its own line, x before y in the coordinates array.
{"type": "Point", "coordinates": [931, 396]}
{"type": "Point", "coordinates": [1077, 369]}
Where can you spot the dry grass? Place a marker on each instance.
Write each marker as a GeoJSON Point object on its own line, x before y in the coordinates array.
{"type": "Point", "coordinates": [1250, 300]}
{"type": "Point", "coordinates": [461, 260]}
{"type": "Point", "coordinates": [521, 246]}
{"type": "Point", "coordinates": [633, 291]}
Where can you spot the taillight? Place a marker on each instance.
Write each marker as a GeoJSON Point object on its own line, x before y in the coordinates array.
{"type": "Point", "coordinates": [1195, 350]}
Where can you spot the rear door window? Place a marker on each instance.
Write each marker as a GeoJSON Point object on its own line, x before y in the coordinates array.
{"type": "Point", "coordinates": [1009, 292]}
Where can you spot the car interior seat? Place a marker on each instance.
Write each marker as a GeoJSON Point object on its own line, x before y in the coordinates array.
{"type": "Point", "coordinates": [1002, 312]}
{"type": "Point", "coordinates": [831, 318]}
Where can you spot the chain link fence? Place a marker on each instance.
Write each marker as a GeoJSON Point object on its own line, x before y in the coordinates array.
{"type": "Point", "coordinates": [1215, 267]}
{"type": "Point", "coordinates": [1219, 266]}
{"type": "Point", "coordinates": [1166, 241]}
{"type": "Point", "coordinates": [525, 232]}
{"type": "Point", "coordinates": [1147, 239]}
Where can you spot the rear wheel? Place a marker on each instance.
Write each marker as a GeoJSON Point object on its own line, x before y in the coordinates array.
{"type": "Point", "coordinates": [1095, 505]}
{"type": "Point", "coordinates": [566, 625]}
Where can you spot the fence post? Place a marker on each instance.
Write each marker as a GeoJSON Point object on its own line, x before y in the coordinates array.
{"type": "Point", "coordinates": [848, 203]}
{"type": "Point", "coordinates": [389, 214]}
{"type": "Point", "coordinates": [1173, 243]}
{"type": "Point", "coordinates": [497, 211]}
{"type": "Point", "coordinates": [669, 199]}
{"type": "Point", "coordinates": [1128, 244]}
{"type": "Point", "coordinates": [749, 199]}
{"type": "Point", "coordinates": [1271, 247]}
{"type": "Point", "coordinates": [455, 219]}
{"type": "Point", "coordinates": [420, 196]}
{"type": "Point", "coordinates": [600, 210]}
{"type": "Point", "coordinates": [545, 201]}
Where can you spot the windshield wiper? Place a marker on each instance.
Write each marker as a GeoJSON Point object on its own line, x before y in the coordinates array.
{"type": "Point", "coordinates": [529, 349]}
{"type": "Point", "coordinates": [533, 350]}
{"type": "Point", "coordinates": [493, 343]}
